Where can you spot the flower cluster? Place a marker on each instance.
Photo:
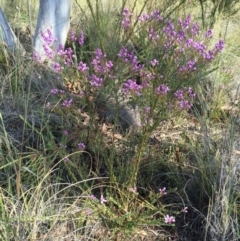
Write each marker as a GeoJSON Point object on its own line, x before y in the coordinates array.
{"type": "Point", "coordinates": [80, 39]}
{"type": "Point", "coordinates": [102, 199]}
{"type": "Point", "coordinates": [57, 91]}
{"type": "Point", "coordinates": [162, 89]}
{"type": "Point", "coordinates": [155, 15]}
{"type": "Point", "coordinates": [48, 39]}
{"type": "Point", "coordinates": [130, 58]}
{"type": "Point", "coordinates": [67, 103]}
{"type": "Point", "coordinates": [100, 63]}
{"type": "Point", "coordinates": [82, 67]}
{"type": "Point", "coordinates": [127, 19]}
{"type": "Point", "coordinates": [131, 86]}
{"type": "Point", "coordinates": [184, 97]}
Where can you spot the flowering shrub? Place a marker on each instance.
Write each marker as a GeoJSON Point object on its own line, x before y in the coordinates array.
{"type": "Point", "coordinates": [156, 70]}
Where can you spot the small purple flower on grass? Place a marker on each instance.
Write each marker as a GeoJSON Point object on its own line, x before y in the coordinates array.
{"type": "Point", "coordinates": [131, 86]}
{"type": "Point", "coordinates": [81, 38]}
{"type": "Point", "coordinates": [185, 104]}
{"type": "Point", "coordinates": [169, 219]}
{"type": "Point", "coordinates": [82, 67]}
{"type": "Point", "coordinates": [185, 210]}
{"type": "Point", "coordinates": [66, 159]}
{"type": "Point", "coordinates": [154, 62]}
{"type": "Point", "coordinates": [36, 57]}
{"type": "Point", "coordinates": [209, 34]}
{"type": "Point", "coordinates": [72, 36]}
{"type": "Point", "coordinates": [147, 109]}
{"type": "Point", "coordinates": [81, 145]}
{"type": "Point", "coordinates": [133, 189]}
{"type": "Point", "coordinates": [92, 197]}
{"type": "Point", "coordinates": [162, 89]}
{"type": "Point", "coordinates": [54, 91]}
{"type": "Point", "coordinates": [179, 94]}
{"type": "Point", "coordinates": [67, 103]}
{"type": "Point", "coordinates": [65, 133]}
{"type": "Point", "coordinates": [109, 65]}
{"type": "Point", "coordinates": [95, 81]}
{"type": "Point", "coordinates": [102, 199]}
{"type": "Point", "coordinates": [88, 211]}
{"type": "Point", "coordinates": [163, 191]}
{"type": "Point", "coordinates": [57, 67]}
{"type": "Point", "coordinates": [219, 45]}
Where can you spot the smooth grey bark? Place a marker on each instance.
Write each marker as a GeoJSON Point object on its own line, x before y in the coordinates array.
{"type": "Point", "coordinates": [55, 16]}
{"type": "Point", "coordinates": [8, 36]}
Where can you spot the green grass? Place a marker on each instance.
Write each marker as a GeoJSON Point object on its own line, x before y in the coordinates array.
{"type": "Point", "coordinates": [47, 182]}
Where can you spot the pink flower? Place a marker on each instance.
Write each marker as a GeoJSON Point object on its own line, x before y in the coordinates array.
{"type": "Point", "coordinates": [163, 191]}
{"type": "Point", "coordinates": [92, 197]}
{"type": "Point", "coordinates": [169, 219]}
{"type": "Point", "coordinates": [88, 211]}
{"type": "Point", "coordinates": [81, 145]}
{"type": "Point", "coordinates": [154, 62]}
{"type": "Point", "coordinates": [185, 210]}
{"type": "Point", "coordinates": [66, 159]}
{"type": "Point", "coordinates": [82, 67]}
{"type": "Point", "coordinates": [133, 189]}
{"type": "Point", "coordinates": [102, 199]}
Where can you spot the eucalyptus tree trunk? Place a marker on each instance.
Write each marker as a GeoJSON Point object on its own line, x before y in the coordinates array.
{"type": "Point", "coordinates": [8, 37]}
{"type": "Point", "coordinates": [54, 15]}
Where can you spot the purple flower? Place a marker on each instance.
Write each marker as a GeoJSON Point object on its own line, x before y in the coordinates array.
{"type": "Point", "coordinates": [36, 57]}
{"type": "Point", "coordinates": [154, 62]}
{"type": "Point", "coordinates": [209, 55]}
{"type": "Point", "coordinates": [72, 36]}
{"type": "Point", "coordinates": [48, 37]}
{"type": "Point", "coordinates": [162, 89]}
{"type": "Point", "coordinates": [66, 159]}
{"type": "Point", "coordinates": [169, 219]}
{"type": "Point", "coordinates": [109, 65]}
{"type": "Point", "coordinates": [185, 104]}
{"type": "Point", "coordinates": [65, 133]}
{"type": "Point", "coordinates": [81, 145]}
{"type": "Point", "coordinates": [190, 92]}
{"type": "Point", "coordinates": [189, 42]}
{"type": "Point", "coordinates": [102, 199]}
{"type": "Point", "coordinates": [131, 86]}
{"type": "Point", "coordinates": [92, 197]}
{"type": "Point", "coordinates": [100, 64]}
{"type": "Point", "coordinates": [152, 35]}
{"type": "Point", "coordinates": [126, 22]}
{"type": "Point", "coordinates": [147, 109]}
{"type": "Point", "coordinates": [88, 211]}
{"type": "Point", "coordinates": [54, 91]}
{"type": "Point", "coordinates": [219, 45]}
{"type": "Point", "coordinates": [48, 51]}
{"type": "Point", "coordinates": [133, 189]}
{"type": "Point", "coordinates": [209, 34]}
{"type": "Point", "coordinates": [163, 191]}
{"type": "Point", "coordinates": [81, 38]}
{"type": "Point", "coordinates": [185, 210]}
{"type": "Point", "coordinates": [95, 81]}
{"type": "Point", "coordinates": [82, 67]}
{"type": "Point", "coordinates": [195, 29]}
{"type": "Point", "coordinates": [57, 67]}
{"type": "Point", "coordinates": [67, 103]}
{"type": "Point", "coordinates": [179, 94]}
